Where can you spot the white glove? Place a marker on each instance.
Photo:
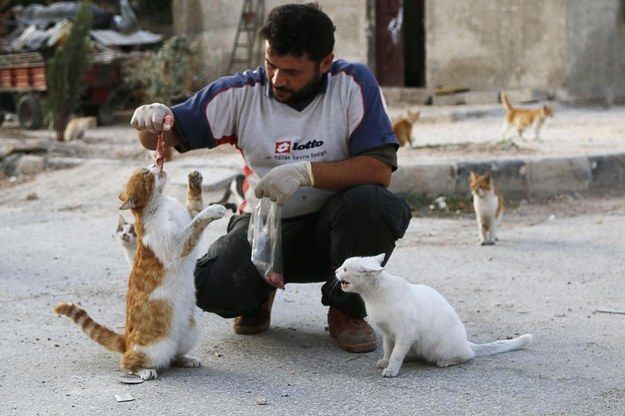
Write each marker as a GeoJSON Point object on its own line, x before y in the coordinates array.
{"type": "Point", "coordinates": [281, 182]}
{"type": "Point", "coordinates": [151, 117]}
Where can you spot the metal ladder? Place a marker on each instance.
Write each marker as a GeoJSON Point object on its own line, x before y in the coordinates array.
{"type": "Point", "coordinates": [247, 42]}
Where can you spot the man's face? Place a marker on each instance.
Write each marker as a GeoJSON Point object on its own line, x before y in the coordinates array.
{"type": "Point", "coordinates": [291, 77]}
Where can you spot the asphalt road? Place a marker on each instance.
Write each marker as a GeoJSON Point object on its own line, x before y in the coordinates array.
{"type": "Point", "coordinates": [545, 276]}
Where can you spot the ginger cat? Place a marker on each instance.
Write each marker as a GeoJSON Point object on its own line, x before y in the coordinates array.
{"type": "Point", "coordinates": [402, 127]}
{"type": "Point", "coordinates": [77, 127]}
{"type": "Point", "coordinates": [160, 303]}
{"type": "Point", "coordinates": [488, 205]}
{"type": "Point", "coordinates": [523, 118]}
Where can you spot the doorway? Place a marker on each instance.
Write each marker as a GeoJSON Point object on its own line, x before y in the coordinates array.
{"type": "Point", "coordinates": [400, 42]}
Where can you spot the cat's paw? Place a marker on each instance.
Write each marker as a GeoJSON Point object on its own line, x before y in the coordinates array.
{"type": "Point", "coordinates": [146, 373]}
{"type": "Point", "coordinates": [487, 243]}
{"type": "Point", "coordinates": [195, 180]}
{"type": "Point", "coordinates": [186, 361]}
{"type": "Point", "coordinates": [213, 212]}
{"type": "Point", "coordinates": [382, 363]}
{"type": "Point", "coordinates": [389, 372]}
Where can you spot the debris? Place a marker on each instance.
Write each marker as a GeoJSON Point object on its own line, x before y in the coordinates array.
{"type": "Point", "coordinates": [610, 311]}
{"type": "Point", "coordinates": [552, 217]}
{"type": "Point", "coordinates": [440, 202]}
{"type": "Point", "coordinates": [131, 379]}
{"type": "Point", "coordinates": [124, 397]}
{"type": "Point", "coordinates": [31, 197]}
{"type": "Point", "coordinates": [218, 354]}
{"type": "Point", "coordinates": [261, 401]}
{"type": "Point", "coordinates": [353, 358]}
{"type": "Point", "coordinates": [450, 89]}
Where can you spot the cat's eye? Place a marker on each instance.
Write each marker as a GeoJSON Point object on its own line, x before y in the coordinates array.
{"type": "Point", "coordinates": [344, 269]}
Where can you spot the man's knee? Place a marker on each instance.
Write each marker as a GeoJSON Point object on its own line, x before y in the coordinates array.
{"type": "Point", "coordinates": [373, 207]}
{"type": "Point", "coordinates": [226, 281]}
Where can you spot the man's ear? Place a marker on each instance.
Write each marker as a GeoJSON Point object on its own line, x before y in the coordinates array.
{"type": "Point", "coordinates": [127, 203]}
{"type": "Point", "coordinates": [326, 63]}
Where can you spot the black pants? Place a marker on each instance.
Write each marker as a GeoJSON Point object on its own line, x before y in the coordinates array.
{"type": "Point", "coordinates": [362, 221]}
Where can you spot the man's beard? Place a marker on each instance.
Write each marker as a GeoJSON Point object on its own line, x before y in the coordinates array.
{"type": "Point", "coordinates": [308, 90]}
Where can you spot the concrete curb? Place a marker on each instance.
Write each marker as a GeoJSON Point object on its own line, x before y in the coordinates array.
{"type": "Point", "coordinates": [517, 178]}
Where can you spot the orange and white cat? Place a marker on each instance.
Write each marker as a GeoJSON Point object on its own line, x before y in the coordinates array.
{"type": "Point", "coordinates": [160, 303]}
{"type": "Point", "coordinates": [402, 127]}
{"type": "Point", "coordinates": [523, 118]}
{"type": "Point", "coordinates": [126, 234]}
{"type": "Point", "coordinates": [488, 206]}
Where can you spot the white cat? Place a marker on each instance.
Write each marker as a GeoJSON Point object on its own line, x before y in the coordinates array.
{"type": "Point", "coordinates": [415, 320]}
{"type": "Point", "coordinates": [128, 238]}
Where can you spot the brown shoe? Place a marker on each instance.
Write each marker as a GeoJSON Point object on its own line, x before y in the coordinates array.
{"type": "Point", "coordinates": [353, 334]}
{"type": "Point", "coordinates": [256, 321]}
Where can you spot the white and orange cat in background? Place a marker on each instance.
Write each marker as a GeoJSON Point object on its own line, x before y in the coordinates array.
{"type": "Point", "coordinates": [523, 118]}
{"type": "Point", "coordinates": [488, 205]}
{"type": "Point", "coordinates": [160, 303]}
{"type": "Point", "coordinates": [402, 127]}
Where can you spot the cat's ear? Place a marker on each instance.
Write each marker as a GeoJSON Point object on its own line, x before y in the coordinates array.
{"type": "Point", "coordinates": [374, 265]}
{"type": "Point", "coordinates": [127, 203]}
{"type": "Point", "coordinates": [121, 221]}
{"type": "Point", "coordinates": [488, 177]}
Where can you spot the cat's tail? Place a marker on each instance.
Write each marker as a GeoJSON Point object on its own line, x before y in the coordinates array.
{"type": "Point", "coordinates": [505, 102]}
{"type": "Point", "coordinates": [502, 346]}
{"type": "Point", "coordinates": [100, 334]}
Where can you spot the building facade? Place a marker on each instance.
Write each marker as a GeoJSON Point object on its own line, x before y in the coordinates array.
{"type": "Point", "coordinates": [571, 49]}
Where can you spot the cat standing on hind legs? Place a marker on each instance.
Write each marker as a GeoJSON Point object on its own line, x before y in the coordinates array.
{"type": "Point", "coordinates": [488, 206]}
{"type": "Point", "coordinates": [126, 234]}
{"type": "Point", "coordinates": [415, 320]}
{"type": "Point", "coordinates": [160, 303]}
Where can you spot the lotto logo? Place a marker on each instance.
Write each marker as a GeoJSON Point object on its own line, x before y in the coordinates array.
{"type": "Point", "coordinates": [283, 147]}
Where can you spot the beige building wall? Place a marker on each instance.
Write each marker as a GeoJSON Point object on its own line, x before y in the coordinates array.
{"type": "Point", "coordinates": [495, 44]}
{"type": "Point", "coordinates": [595, 51]}
{"type": "Point", "coordinates": [213, 24]}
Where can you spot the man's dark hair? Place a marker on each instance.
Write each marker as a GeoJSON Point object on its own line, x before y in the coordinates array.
{"type": "Point", "coordinates": [298, 29]}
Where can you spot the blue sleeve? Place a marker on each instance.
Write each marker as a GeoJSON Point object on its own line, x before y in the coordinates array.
{"type": "Point", "coordinates": [374, 127]}
{"type": "Point", "coordinates": [197, 125]}
{"type": "Point", "coordinates": [191, 121]}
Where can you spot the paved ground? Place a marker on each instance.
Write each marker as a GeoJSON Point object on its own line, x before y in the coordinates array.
{"type": "Point", "coordinates": [545, 276]}
{"type": "Point", "coordinates": [556, 264]}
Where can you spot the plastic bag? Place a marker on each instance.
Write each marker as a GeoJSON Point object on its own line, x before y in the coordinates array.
{"type": "Point", "coordinates": [265, 237]}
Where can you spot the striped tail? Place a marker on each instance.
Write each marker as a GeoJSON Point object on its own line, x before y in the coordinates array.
{"type": "Point", "coordinates": [100, 334]}
{"type": "Point", "coordinates": [502, 346]}
{"type": "Point", "coordinates": [505, 102]}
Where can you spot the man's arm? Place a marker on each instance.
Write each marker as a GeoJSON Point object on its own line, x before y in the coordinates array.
{"type": "Point", "coordinates": [359, 170]}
